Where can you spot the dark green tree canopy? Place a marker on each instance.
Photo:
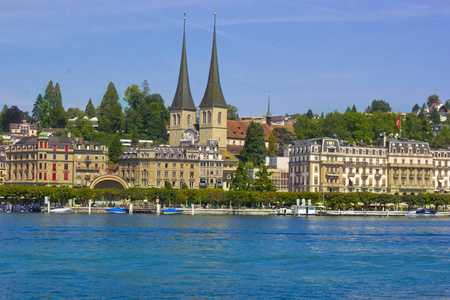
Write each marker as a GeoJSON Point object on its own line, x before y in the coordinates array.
{"type": "Point", "coordinates": [115, 149]}
{"type": "Point", "coordinates": [416, 107]}
{"type": "Point", "coordinates": [254, 150]}
{"type": "Point", "coordinates": [432, 99]}
{"type": "Point", "coordinates": [110, 111]}
{"type": "Point", "coordinates": [37, 108]}
{"type": "Point", "coordinates": [90, 109]}
{"type": "Point", "coordinates": [240, 181]}
{"type": "Point", "coordinates": [11, 115]}
{"type": "Point", "coordinates": [263, 182]}
{"type": "Point", "coordinates": [380, 105]}
{"type": "Point", "coordinates": [271, 151]}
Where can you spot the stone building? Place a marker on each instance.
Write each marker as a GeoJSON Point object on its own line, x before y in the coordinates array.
{"type": "Point", "coordinates": [397, 167]}
{"type": "Point", "coordinates": [194, 166]}
{"type": "Point", "coordinates": [55, 161]}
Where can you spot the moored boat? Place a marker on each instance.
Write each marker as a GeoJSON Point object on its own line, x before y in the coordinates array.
{"type": "Point", "coordinates": [172, 211]}
{"type": "Point", "coordinates": [116, 210]}
{"type": "Point", "coordinates": [421, 212]}
{"type": "Point", "coordinates": [60, 210]}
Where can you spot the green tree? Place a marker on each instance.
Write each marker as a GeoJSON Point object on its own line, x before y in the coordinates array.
{"type": "Point", "coordinates": [354, 108]}
{"type": "Point", "coordinates": [81, 128]}
{"type": "Point", "coordinates": [309, 114]}
{"type": "Point", "coordinates": [284, 138]}
{"type": "Point", "coordinates": [135, 139]}
{"type": "Point", "coordinates": [57, 112]}
{"type": "Point", "coordinates": [232, 113]}
{"type": "Point", "coordinates": [435, 116]}
{"type": "Point", "coordinates": [115, 149]}
{"type": "Point", "coordinates": [432, 99]}
{"type": "Point", "coordinates": [37, 107]}
{"type": "Point", "coordinates": [90, 109]}
{"type": "Point", "coordinates": [416, 107]}
{"type": "Point", "coordinates": [358, 126]}
{"type": "Point", "coordinates": [272, 146]}
{"type": "Point", "coordinates": [334, 125]}
{"type": "Point", "coordinates": [11, 115]}
{"type": "Point", "coordinates": [254, 149]}
{"type": "Point", "coordinates": [110, 111]}
{"type": "Point", "coordinates": [240, 181]}
{"type": "Point", "coordinates": [263, 182]}
{"type": "Point", "coordinates": [380, 105]}
{"type": "Point", "coordinates": [73, 112]}
{"type": "Point", "coordinates": [447, 103]}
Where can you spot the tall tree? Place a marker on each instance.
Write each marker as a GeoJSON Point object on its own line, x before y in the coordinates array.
{"type": "Point", "coordinates": [272, 146]}
{"type": "Point", "coordinates": [110, 111]}
{"type": "Point", "coordinates": [354, 108]}
{"type": "Point", "coordinates": [263, 182]}
{"type": "Point", "coordinates": [11, 115]}
{"type": "Point", "coordinates": [309, 114]}
{"type": "Point", "coordinates": [135, 139]}
{"type": "Point", "coordinates": [240, 181]}
{"type": "Point", "coordinates": [232, 112]}
{"type": "Point", "coordinates": [90, 109]}
{"type": "Point", "coordinates": [432, 99]}
{"type": "Point", "coordinates": [57, 113]}
{"type": "Point", "coordinates": [380, 105]}
{"type": "Point", "coordinates": [115, 149]}
{"type": "Point", "coordinates": [284, 138]}
{"type": "Point", "coordinates": [416, 107]}
{"type": "Point", "coordinates": [254, 150]}
{"type": "Point", "coordinates": [37, 108]}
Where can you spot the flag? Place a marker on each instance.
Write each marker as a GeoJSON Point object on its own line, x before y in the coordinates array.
{"type": "Point", "coordinates": [398, 123]}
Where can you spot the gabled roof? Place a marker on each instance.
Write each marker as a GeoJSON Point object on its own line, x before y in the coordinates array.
{"type": "Point", "coordinates": [213, 94]}
{"type": "Point", "coordinates": [183, 96]}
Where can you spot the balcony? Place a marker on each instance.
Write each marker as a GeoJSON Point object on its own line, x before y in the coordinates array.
{"type": "Point", "coordinates": [332, 174]}
{"type": "Point", "coordinates": [377, 176]}
{"type": "Point", "coordinates": [364, 176]}
{"type": "Point", "coordinates": [202, 183]}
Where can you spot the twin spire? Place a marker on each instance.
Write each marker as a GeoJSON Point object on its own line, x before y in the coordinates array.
{"type": "Point", "coordinates": [213, 94]}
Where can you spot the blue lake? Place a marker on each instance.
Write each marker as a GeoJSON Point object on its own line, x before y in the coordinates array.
{"type": "Point", "coordinates": [234, 257]}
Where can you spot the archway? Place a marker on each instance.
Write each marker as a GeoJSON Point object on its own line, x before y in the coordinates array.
{"type": "Point", "coordinates": [109, 181]}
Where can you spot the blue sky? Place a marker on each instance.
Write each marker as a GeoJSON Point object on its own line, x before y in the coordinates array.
{"type": "Point", "coordinates": [311, 54]}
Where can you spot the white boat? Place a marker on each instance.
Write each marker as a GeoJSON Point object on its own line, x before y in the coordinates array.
{"type": "Point", "coordinates": [60, 210]}
{"type": "Point", "coordinates": [421, 212]}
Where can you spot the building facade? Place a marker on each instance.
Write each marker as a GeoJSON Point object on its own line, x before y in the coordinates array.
{"type": "Point", "coordinates": [397, 167]}
{"type": "Point", "coordinates": [54, 161]}
{"type": "Point", "coordinates": [24, 128]}
{"type": "Point", "coordinates": [154, 167]}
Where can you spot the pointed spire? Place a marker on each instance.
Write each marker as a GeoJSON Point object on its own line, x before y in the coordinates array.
{"type": "Point", "coordinates": [183, 96]}
{"type": "Point", "coordinates": [269, 114]}
{"type": "Point", "coordinates": [213, 94]}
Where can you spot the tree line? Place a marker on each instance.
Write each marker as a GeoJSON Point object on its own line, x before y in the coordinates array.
{"type": "Point", "coordinates": [218, 197]}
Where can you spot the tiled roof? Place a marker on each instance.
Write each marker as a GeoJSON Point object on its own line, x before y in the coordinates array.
{"type": "Point", "coordinates": [238, 129]}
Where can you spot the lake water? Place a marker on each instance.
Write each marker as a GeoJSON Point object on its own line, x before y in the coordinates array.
{"type": "Point", "coordinates": [234, 257]}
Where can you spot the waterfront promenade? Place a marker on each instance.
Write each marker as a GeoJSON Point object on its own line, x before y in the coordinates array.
{"type": "Point", "coordinates": [265, 212]}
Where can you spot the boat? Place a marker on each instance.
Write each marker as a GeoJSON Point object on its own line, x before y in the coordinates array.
{"type": "Point", "coordinates": [116, 210]}
{"type": "Point", "coordinates": [60, 210]}
{"type": "Point", "coordinates": [421, 212]}
{"type": "Point", "coordinates": [172, 211]}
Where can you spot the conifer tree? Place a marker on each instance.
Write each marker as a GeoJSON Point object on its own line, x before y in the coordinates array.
{"type": "Point", "coordinates": [135, 139]}
{"type": "Point", "coordinates": [37, 108]}
{"type": "Point", "coordinates": [57, 113]}
{"type": "Point", "coordinates": [115, 149]}
{"type": "Point", "coordinates": [240, 181]}
{"type": "Point", "coordinates": [263, 183]}
{"type": "Point", "coordinates": [254, 150]}
{"type": "Point", "coordinates": [110, 111]}
{"type": "Point", "coordinates": [90, 109]}
{"type": "Point", "coordinates": [272, 146]}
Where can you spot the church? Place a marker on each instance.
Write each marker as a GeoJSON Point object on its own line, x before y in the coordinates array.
{"type": "Point", "coordinates": [211, 129]}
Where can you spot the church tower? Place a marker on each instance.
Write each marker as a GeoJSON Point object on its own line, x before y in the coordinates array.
{"type": "Point", "coordinates": [182, 111]}
{"type": "Point", "coordinates": [213, 108]}
{"type": "Point", "coordinates": [269, 114]}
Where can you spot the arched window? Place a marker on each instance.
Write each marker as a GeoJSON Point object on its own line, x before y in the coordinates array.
{"type": "Point", "coordinates": [204, 117]}
{"type": "Point", "coordinates": [179, 119]}
{"type": "Point", "coordinates": [219, 118]}
{"type": "Point", "coordinates": [174, 122]}
{"type": "Point", "coordinates": [189, 119]}
{"type": "Point", "coordinates": [209, 117]}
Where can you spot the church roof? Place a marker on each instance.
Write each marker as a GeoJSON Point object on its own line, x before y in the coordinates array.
{"type": "Point", "coordinates": [213, 94]}
{"type": "Point", "coordinates": [183, 96]}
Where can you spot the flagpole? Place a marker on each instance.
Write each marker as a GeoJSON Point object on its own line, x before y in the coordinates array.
{"type": "Point", "coordinates": [400, 126]}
